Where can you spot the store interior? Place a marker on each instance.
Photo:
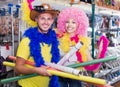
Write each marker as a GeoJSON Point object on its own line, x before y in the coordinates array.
{"type": "Point", "coordinates": [104, 14]}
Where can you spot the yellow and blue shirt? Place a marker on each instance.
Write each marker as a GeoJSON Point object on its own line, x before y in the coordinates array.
{"type": "Point", "coordinates": [35, 46]}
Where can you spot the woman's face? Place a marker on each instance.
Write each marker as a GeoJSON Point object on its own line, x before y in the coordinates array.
{"type": "Point", "coordinates": [71, 26]}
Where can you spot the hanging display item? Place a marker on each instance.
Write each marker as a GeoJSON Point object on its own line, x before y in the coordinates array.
{"type": "Point", "coordinates": [112, 4]}
{"type": "Point", "coordinates": [9, 21]}
{"type": "Point", "coordinates": [26, 7]}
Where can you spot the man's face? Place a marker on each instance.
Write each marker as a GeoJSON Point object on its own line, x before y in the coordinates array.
{"type": "Point", "coordinates": [44, 21]}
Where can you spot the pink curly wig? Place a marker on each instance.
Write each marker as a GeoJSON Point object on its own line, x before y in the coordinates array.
{"type": "Point", "coordinates": [78, 15]}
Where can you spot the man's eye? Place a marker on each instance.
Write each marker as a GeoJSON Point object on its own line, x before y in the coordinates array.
{"type": "Point", "coordinates": [42, 18]}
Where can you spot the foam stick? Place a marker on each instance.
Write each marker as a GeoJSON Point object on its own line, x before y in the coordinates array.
{"type": "Point", "coordinates": [55, 66]}
{"type": "Point", "coordinates": [9, 64]}
{"type": "Point", "coordinates": [69, 69]}
{"type": "Point", "coordinates": [55, 72]}
{"type": "Point", "coordinates": [93, 62]}
{"type": "Point", "coordinates": [27, 62]}
{"type": "Point", "coordinates": [109, 58]}
{"type": "Point", "coordinates": [80, 77]}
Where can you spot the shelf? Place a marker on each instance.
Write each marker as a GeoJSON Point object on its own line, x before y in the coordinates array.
{"type": "Point", "coordinates": [61, 4]}
{"type": "Point", "coordinates": [107, 30]}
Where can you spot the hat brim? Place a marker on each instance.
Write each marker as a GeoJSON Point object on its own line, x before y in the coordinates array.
{"type": "Point", "coordinates": [34, 14]}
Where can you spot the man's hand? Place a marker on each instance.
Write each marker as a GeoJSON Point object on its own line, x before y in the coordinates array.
{"type": "Point", "coordinates": [42, 71]}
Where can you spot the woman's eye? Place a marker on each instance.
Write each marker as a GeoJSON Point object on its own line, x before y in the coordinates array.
{"type": "Point", "coordinates": [67, 22]}
{"type": "Point", "coordinates": [73, 22]}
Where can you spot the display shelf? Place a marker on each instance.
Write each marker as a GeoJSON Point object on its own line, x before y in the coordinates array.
{"type": "Point", "coordinates": [111, 70]}
{"type": "Point", "coordinates": [61, 4]}
{"type": "Point", "coordinates": [107, 11]}
{"type": "Point", "coordinates": [109, 30]}
{"type": "Point", "coordinates": [5, 2]}
{"type": "Point", "coordinates": [114, 6]}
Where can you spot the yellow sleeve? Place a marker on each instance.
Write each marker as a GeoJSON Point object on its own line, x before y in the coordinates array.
{"type": "Point", "coordinates": [23, 49]}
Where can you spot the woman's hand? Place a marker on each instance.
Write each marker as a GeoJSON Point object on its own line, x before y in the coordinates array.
{"type": "Point", "coordinates": [100, 47]}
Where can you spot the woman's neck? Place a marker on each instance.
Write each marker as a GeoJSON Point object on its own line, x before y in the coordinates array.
{"type": "Point", "coordinates": [71, 35]}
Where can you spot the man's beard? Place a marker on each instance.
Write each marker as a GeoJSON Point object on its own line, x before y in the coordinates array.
{"type": "Point", "coordinates": [41, 30]}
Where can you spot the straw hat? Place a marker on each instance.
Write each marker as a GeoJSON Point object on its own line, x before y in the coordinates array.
{"type": "Point", "coordinates": [44, 8]}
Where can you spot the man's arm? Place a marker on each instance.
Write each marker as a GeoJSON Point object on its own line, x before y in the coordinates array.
{"type": "Point", "coordinates": [21, 68]}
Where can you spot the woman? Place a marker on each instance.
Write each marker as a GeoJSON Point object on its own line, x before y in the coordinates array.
{"type": "Point", "coordinates": [72, 25]}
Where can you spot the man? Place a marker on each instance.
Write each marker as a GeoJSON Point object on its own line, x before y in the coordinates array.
{"type": "Point", "coordinates": [38, 45]}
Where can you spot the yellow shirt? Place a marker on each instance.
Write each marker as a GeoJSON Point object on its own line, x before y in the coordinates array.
{"type": "Point", "coordinates": [24, 52]}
